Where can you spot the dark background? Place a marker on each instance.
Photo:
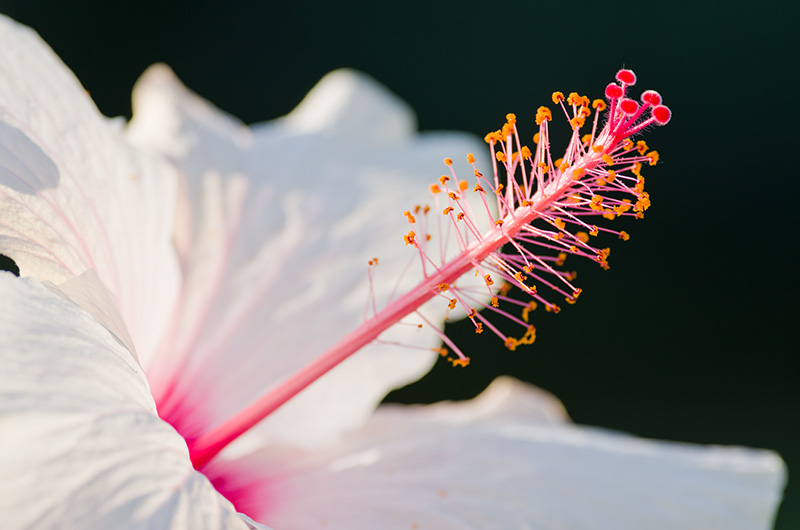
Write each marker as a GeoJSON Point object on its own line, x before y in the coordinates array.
{"type": "Point", "coordinates": [687, 337]}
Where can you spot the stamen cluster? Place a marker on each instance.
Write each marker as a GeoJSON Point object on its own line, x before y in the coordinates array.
{"type": "Point", "coordinates": [547, 209]}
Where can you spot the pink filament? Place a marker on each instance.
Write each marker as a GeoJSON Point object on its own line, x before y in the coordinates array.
{"type": "Point", "coordinates": [208, 445]}
{"type": "Point", "coordinates": [516, 215]}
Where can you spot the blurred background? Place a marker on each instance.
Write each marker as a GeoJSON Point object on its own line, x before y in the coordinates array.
{"type": "Point", "coordinates": [689, 335]}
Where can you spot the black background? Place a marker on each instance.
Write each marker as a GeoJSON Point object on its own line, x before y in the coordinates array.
{"type": "Point", "coordinates": [688, 336]}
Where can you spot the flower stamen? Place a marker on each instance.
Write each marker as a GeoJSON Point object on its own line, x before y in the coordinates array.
{"type": "Point", "coordinates": [539, 202]}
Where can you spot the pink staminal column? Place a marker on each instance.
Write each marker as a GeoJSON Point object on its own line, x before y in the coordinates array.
{"type": "Point", "coordinates": [546, 210]}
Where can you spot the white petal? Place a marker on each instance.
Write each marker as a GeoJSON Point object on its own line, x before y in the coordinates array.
{"type": "Point", "coordinates": [80, 443]}
{"type": "Point", "coordinates": [481, 465]}
{"type": "Point", "coordinates": [280, 223]}
{"type": "Point", "coordinates": [74, 196]}
{"type": "Point", "coordinates": [345, 105]}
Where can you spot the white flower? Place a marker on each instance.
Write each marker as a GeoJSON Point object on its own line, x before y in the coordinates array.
{"type": "Point", "coordinates": [273, 226]}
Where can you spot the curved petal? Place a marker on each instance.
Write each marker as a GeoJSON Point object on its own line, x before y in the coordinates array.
{"type": "Point", "coordinates": [74, 196]}
{"type": "Point", "coordinates": [504, 460]}
{"type": "Point", "coordinates": [81, 444]}
{"type": "Point", "coordinates": [279, 224]}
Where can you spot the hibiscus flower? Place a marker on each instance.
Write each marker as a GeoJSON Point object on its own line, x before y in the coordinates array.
{"type": "Point", "coordinates": [174, 269]}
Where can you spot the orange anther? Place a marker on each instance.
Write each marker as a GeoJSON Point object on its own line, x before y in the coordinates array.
{"type": "Point", "coordinates": [542, 114]}
{"type": "Point", "coordinates": [577, 122]}
{"type": "Point", "coordinates": [526, 310]}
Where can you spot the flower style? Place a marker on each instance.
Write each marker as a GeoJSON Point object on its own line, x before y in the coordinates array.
{"type": "Point", "coordinates": [225, 269]}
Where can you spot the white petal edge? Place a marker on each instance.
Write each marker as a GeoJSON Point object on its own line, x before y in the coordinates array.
{"type": "Point", "coordinates": [506, 460]}
{"type": "Point", "coordinates": [80, 443]}
{"type": "Point", "coordinates": [279, 224]}
{"type": "Point", "coordinates": [75, 196]}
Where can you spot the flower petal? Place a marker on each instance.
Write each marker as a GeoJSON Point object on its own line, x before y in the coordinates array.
{"type": "Point", "coordinates": [81, 444]}
{"type": "Point", "coordinates": [279, 224]}
{"type": "Point", "coordinates": [482, 464]}
{"type": "Point", "coordinates": [74, 196]}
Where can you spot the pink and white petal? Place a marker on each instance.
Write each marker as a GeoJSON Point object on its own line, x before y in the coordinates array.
{"type": "Point", "coordinates": [278, 226]}
{"type": "Point", "coordinates": [482, 465]}
{"type": "Point", "coordinates": [75, 196]}
{"type": "Point", "coordinates": [81, 445]}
